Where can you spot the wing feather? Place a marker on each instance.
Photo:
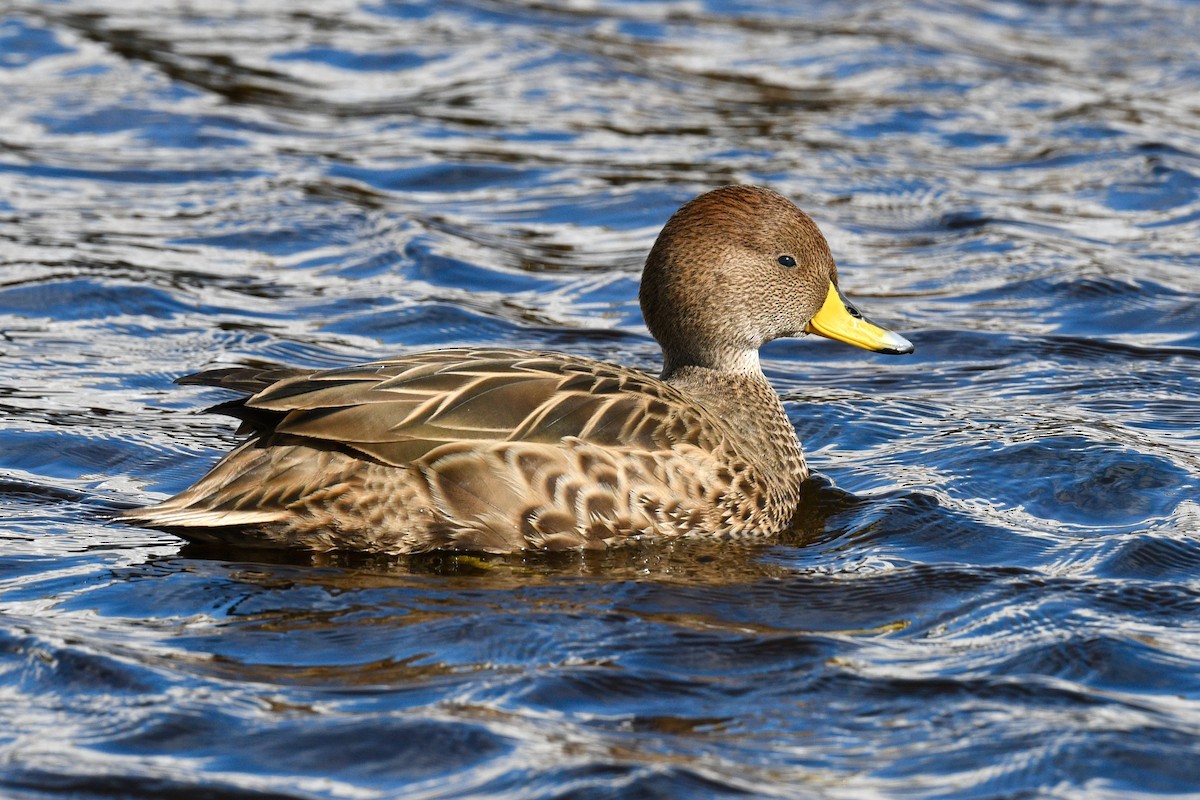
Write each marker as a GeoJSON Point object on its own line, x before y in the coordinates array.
{"type": "Point", "coordinates": [397, 410]}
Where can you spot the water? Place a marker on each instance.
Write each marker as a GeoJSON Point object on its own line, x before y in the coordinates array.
{"type": "Point", "coordinates": [992, 588]}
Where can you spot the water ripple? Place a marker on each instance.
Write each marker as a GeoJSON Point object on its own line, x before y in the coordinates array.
{"type": "Point", "coordinates": [990, 587]}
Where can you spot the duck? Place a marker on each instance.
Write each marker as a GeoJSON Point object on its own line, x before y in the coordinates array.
{"type": "Point", "coordinates": [501, 450]}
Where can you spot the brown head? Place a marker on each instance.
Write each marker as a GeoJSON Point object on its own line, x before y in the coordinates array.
{"type": "Point", "coordinates": [740, 266]}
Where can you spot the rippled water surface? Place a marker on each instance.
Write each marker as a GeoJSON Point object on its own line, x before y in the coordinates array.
{"type": "Point", "coordinates": [993, 587]}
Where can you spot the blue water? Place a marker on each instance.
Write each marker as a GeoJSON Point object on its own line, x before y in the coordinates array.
{"type": "Point", "coordinates": [992, 588]}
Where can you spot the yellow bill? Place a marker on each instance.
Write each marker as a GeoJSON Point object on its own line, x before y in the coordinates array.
{"type": "Point", "coordinates": [840, 320]}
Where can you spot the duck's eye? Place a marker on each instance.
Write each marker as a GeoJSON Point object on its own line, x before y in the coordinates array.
{"type": "Point", "coordinates": [787, 261]}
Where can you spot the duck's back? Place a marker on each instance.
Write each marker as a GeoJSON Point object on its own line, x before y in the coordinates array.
{"type": "Point", "coordinates": [472, 449]}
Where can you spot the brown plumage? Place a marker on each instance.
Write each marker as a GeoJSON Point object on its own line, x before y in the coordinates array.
{"type": "Point", "coordinates": [501, 450]}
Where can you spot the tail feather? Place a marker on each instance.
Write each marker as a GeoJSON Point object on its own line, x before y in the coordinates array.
{"type": "Point", "coordinates": [252, 485]}
{"type": "Point", "coordinates": [168, 517]}
{"type": "Point", "coordinates": [248, 380]}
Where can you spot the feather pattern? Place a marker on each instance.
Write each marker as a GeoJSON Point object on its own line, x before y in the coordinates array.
{"type": "Point", "coordinates": [511, 448]}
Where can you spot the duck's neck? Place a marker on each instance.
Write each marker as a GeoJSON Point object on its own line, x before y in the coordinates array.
{"type": "Point", "coordinates": [750, 407]}
{"type": "Point", "coordinates": [731, 362]}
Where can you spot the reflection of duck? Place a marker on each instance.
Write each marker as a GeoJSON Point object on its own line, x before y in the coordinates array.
{"type": "Point", "coordinates": [502, 450]}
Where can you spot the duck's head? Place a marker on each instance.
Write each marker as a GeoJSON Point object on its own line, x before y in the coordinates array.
{"type": "Point", "coordinates": [740, 266]}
